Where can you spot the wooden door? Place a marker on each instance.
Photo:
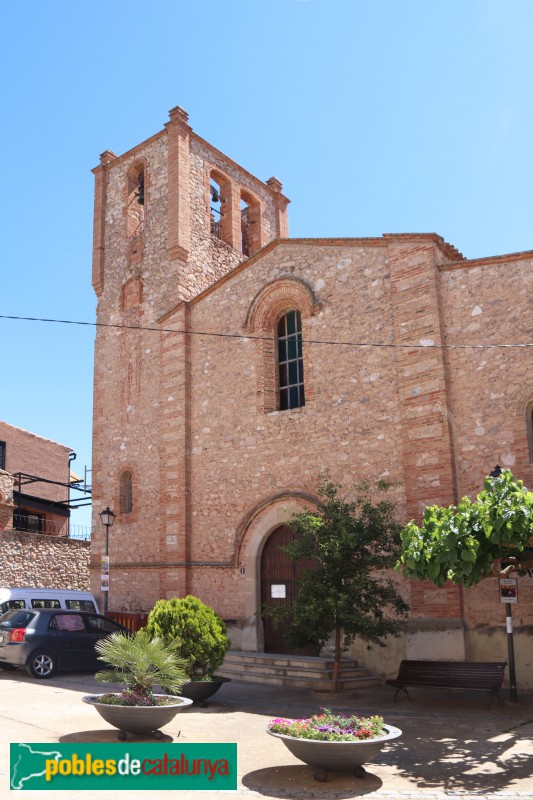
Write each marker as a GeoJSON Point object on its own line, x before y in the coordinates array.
{"type": "Point", "coordinates": [279, 577]}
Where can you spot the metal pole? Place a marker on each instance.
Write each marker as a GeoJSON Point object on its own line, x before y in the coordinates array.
{"type": "Point", "coordinates": [510, 649]}
{"type": "Point", "coordinates": [106, 594]}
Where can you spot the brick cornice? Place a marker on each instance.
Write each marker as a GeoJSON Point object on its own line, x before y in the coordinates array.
{"type": "Point", "coordinates": [486, 261]}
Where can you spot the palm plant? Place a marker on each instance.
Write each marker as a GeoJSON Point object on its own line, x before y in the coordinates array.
{"type": "Point", "coordinates": [140, 662]}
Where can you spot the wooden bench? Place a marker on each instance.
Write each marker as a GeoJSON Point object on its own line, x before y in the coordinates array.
{"type": "Point", "coordinates": [484, 676]}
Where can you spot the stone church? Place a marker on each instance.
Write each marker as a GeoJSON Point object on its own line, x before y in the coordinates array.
{"type": "Point", "coordinates": [233, 365]}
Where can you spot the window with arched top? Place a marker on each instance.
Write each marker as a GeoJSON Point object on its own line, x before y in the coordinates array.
{"type": "Point", "coordinates": [126, 493]}
{"type": "Point", "coordinates": [291, 391]}
{"type": "Point", "coordinates": [277, 316]}
{"type": "Point", "coordinates": [136, 211]}
{"type": "Point", "coordinates": [136, 201]}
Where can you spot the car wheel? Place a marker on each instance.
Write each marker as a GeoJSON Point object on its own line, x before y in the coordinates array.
{"type": "Point", "coordinates": [41, 664]}
{"type": "Point", "coordinates": [7, 667]}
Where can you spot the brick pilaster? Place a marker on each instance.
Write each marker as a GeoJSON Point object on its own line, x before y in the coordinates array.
{"type": "Point", "coordinates": [428, 457]}
{"type": "Point", "coordinates": [179, 201]}
{"type": "Point", "coordinates": [175, 546]}
{"type": "Point", "coordinates": [421, 373]}
{"type": "Point", "coordinates": [99, 220]}
{"type": "Point", "coordinates": [282, 218]}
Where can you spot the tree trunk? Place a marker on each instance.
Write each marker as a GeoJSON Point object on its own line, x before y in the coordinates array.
{"type": "Point", "coordinates": [337, 660]}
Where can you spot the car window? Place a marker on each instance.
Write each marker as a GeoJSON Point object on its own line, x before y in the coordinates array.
{"type": "Point", "coordinates": [80, 605]}
{"type": "Point", "coordinates": [11, 604]}
{"type": "Point", "coordinates": [67, 622]}
{"type": "Point", "coordinates": [16, 619]}
{"type": "Point", "coordinates": [45, 604]}
{"type": "Point", "coordinates": [97, 623]}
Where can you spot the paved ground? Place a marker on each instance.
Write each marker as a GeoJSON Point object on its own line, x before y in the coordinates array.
{"type": "Point", "coordinates": [452, 746]}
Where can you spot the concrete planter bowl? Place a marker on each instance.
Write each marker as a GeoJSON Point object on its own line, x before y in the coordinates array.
{"type": "Point", "coordinates": [138, 719]}
{"type": "Point", "coordinates": [327, 757]}
{"type": "Point", "coordinates": [200, 691]}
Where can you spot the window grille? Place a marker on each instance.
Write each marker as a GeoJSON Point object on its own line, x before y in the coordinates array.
{"type": "Point", "coordinates": [290, 362]}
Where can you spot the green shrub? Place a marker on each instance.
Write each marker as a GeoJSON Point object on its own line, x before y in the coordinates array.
{"type": "Point", "coordinates": [140, 661]}
{"type": "Point", "coordinates": [197, 633]}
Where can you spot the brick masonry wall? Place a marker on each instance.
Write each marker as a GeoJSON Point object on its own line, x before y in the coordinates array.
{"type": "Point", "coordinates": [128, 404]}
{"type": "Point", "coordinates": [31, 559]}
{"type": "Point", "coordinates": [190, 415]}
{"type": "Point", "coordinates": [27, 452]}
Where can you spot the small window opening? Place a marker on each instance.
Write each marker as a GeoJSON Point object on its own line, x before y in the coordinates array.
{"type": "Point", "coordinates": [290, 362]}
{"type": "Point", "coordinates": [126, 493]}
{"type": "Point", "coordinates": [136, 203]}
{"type": "Point", "coordinates": [215, 208]}
{"type": "Point", "coordinates": [2, 455]}
{"type": "Point", "coordinates": [245, 228]}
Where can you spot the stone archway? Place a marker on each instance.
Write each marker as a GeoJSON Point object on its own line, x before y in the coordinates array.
{"type": "Point", "coordinates": [255, 533]}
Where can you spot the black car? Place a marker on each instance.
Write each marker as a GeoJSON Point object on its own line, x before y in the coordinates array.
{"type": "Point", "coordinates": [44, 640]}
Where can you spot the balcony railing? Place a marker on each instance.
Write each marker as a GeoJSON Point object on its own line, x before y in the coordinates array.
{"type": "Point", "coordinates": [50, 527]}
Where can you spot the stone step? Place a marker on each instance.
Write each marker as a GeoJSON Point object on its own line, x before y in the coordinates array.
{"type": "Point", "coordinates": [297, 681]}
{"type": "Point", "coordinates": [311, 674]}
{"type": "Point", "coordinates": [280, 660]}
{"type": "Point", "coordinates": [280, 669]}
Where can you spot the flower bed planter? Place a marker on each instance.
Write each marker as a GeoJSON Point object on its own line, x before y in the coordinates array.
{"type": "Point", "coordinates": [138, 719]}
{"type": "Point", "coordinates": [334, 741]}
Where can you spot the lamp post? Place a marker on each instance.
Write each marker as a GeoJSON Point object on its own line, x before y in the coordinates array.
{"type": "Point", "coordinates": [108, 519]}
{"type": "Point", "coordinates": [496, 472]}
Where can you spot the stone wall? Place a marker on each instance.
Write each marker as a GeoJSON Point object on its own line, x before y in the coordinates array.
{"type": "Point", "coordinates": [31, 559]}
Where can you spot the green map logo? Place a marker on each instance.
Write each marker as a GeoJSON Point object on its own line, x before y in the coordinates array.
{"type": "Point", "coordinates": [156, 766]}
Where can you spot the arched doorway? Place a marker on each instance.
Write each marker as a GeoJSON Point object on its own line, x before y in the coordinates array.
{"type": "Point", "coordinates": [279, 576]}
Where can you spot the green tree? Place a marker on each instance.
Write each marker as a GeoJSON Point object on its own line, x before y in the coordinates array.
{"type": "Point", "coordinates": [347, 593]}
{"type": "Point", "coordinates": [477, 538]}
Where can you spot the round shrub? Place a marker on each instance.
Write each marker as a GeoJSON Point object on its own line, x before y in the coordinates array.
{"type": "Point", "coordinates": [197, 633]}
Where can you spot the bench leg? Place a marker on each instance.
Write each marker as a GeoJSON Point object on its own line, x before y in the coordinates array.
{"type": "Point", "coordinates": [401, 689]}
{"type": "Point", "coordinates": [497, 693]}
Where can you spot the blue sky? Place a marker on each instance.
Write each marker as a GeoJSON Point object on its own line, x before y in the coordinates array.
{"type": "Point", "coordinates": [378, 117]}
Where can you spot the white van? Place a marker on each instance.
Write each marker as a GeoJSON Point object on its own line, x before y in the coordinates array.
{"type": "Point", "coordinates": [29, 597]}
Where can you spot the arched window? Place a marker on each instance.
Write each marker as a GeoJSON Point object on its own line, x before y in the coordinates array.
{"type": "Point", "coordinates": [126, 493]}
{"type": "Point", "coordinates": [136, 201]}
{"type": "Point", "coordinates": [290, 361]}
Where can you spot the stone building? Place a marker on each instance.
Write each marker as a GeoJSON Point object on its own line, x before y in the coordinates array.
{"type": "Point", "coordinates": [39, 471]}
{"type": "Point", "coordinates": [233, 365]}
{"type": "Point", "coordinates": [36, 496]}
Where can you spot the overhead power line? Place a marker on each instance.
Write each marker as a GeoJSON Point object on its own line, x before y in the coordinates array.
{"type": "Point", "coordinates": [423, 344]}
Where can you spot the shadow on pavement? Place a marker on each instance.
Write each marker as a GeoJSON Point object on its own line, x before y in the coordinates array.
{"type": "Point", "coordinates": [477, 762]}
{"type": "Point", "coordinates": [295, 781]}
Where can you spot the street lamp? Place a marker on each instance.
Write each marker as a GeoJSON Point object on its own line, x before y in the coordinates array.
{"type": "Point", "coordinates": [496, 472]}
{"type": "Point", "coordinates": [108, 519]}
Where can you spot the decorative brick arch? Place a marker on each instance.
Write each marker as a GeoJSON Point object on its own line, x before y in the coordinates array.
{"type": "Point", "coordinates": [252, 533]}
{"type": "Point", "coordinates": [268, 306]}
{"type": "Point", "coordinates": [122, 514]}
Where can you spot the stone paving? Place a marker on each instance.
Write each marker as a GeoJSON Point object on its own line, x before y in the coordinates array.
{"type": "Point", "coordinates": [452, 748]}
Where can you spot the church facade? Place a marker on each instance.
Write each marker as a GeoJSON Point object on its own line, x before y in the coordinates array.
{"type": "Point", "coordinates": [234, 365]}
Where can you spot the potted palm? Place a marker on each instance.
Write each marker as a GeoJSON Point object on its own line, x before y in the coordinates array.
{"type": "Point", "coordinates": [140, 662]}
{"type": "Point", "coordinates": [198, 636]}
{"type": "Point", "coordinates": [334, 741]}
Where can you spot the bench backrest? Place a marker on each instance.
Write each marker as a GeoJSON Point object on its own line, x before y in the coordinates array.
{"type": "Point", "coordinates": [460, 674]}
